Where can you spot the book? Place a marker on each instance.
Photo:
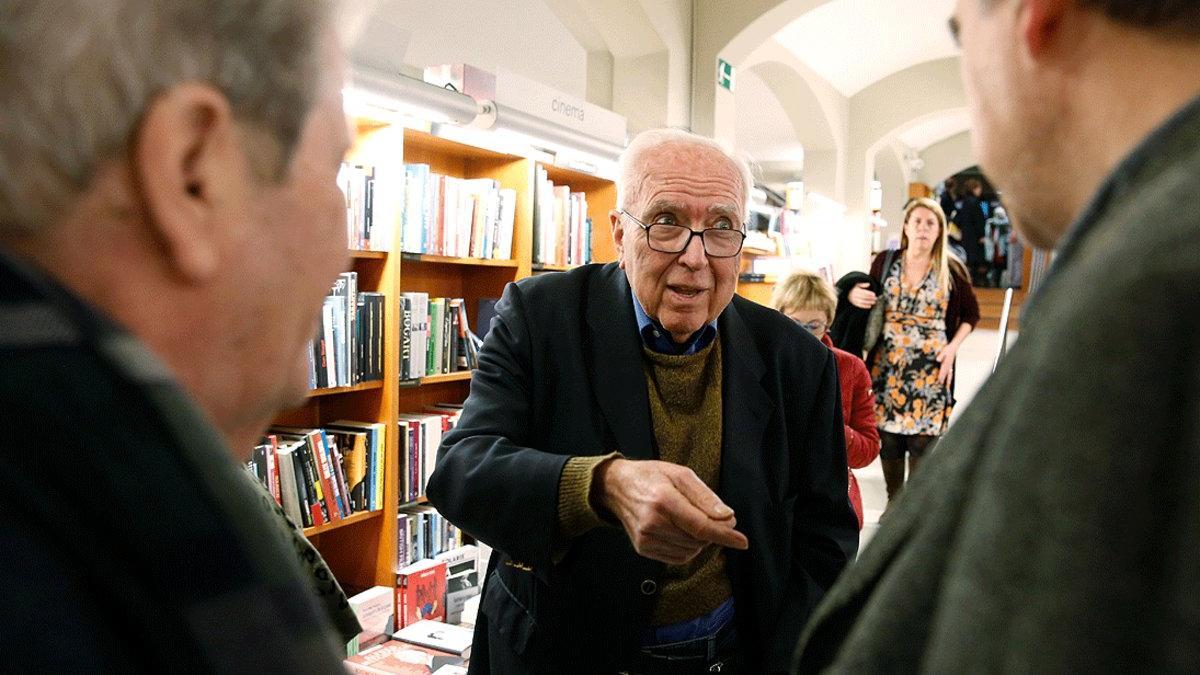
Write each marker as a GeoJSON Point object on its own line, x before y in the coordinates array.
{"type": "Point", "coordinates": [401, 658]}
{"type": "Point", "coordinates": [289, 495]}
{"type": "Point", "coordinates": [437, 635]}
{"type": "Point", "coordinates": [375, 609]}
{"type": "Point", "coordinates": [373, 458]}
{"type": "Point", "coordinates": [421, 592]}
{"type": "Point", "coordinates": [462, 579]}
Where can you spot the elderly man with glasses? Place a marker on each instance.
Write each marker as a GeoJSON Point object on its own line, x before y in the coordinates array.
{"type": "Point", "coordinates": [659, 466]}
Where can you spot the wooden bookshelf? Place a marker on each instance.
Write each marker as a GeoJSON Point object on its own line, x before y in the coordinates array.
{"type": "Point", "coordinates": [758, 291]}
{"type": "Point", "coordinates": [447, 260]}
{"type": "Point", "coordinates": [419, 501]}
{"type": "Point", "coordinates": [361, 549]}
{"type": "Point", "coordinates": [328, 391]}
{"type": "Point", "coordinates": [602, 201]}
{"type": "Point", "coordinates": [344, 522]}
{"type": "Point", "coordinates": [459, 376]}
{"type": "Point", "coordinates": [546, 267]}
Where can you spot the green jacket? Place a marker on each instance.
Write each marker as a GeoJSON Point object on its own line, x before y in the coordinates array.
{"type": "Point", "coordinates": [1056, 528]}
{"type": "Point", "coordinates": [130, 539]}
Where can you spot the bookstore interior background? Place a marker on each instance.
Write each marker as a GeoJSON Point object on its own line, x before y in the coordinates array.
{"type": "Point", "coordinates": [486, 138]}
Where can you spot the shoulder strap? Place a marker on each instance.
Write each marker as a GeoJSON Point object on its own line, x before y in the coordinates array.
{"type": "Point", "coordinates": [887, 266]}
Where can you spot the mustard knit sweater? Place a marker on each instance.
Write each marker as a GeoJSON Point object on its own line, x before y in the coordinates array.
{"type": "Point", "coordinates": [685, 411]}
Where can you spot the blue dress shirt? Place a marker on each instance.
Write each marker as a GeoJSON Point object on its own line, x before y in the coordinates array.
{"type": "Point", "coordinates": [659, 339]}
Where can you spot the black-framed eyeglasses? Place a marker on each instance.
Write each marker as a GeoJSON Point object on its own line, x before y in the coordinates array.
{"type": "Point", "coordinates": [672, 238]}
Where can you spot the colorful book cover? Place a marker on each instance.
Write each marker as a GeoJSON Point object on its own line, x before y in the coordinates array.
{"type": "Point", "coordinates": [421, 592]}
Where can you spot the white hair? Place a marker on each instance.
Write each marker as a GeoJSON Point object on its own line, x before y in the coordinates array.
{"type": "Point", "coordinates": [78, 75]}
{"type": "Point", "coordinates": [630, 163]}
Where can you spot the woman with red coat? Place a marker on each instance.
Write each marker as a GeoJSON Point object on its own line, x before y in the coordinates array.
{"type": "Point", "coordinates": [810, 301]}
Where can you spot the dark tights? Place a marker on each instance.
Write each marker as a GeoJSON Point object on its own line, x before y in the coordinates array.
{"type": "Point", "coordinates": [895, 446]}
{"type": "Point", "coordinates": [892, 451]}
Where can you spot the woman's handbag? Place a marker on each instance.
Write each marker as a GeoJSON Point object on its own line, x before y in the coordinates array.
{"type": "Point", "coordinates": [875, 321]}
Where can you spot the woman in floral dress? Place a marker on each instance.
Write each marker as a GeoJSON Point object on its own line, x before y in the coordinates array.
{"type": "Point", "coordinates": [930, 309]}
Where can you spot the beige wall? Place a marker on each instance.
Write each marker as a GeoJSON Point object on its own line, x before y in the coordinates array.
{"type": "Point", "coordinates": [947, 158]}
{"type": "Point", "coordinates": [639, 91]}
{"type": "Point", "coordinates": [522, 36]}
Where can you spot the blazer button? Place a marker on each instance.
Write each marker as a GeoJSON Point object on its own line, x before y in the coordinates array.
{"type": "Point", "coordinates": [649, 587]}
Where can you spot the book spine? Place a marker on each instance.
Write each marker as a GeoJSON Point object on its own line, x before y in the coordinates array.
{"type": "Point", "coordinates": [289, 498]}
{"type": "Point", "coordinates": [368, 225]}
{"type": "Point", "coordinates": [406, 336]}
{"type": "Point", "coordinates": [329, 482]}
{"type": "Point", "coordinates": [320, 483]}
{"type": "Point", "coordinates": [378, 439]}
{"type": "Point", "coordinates": [312, 486]}
{"type": "Point", "coordinates": [354, 375]}
{"type": "Point", "coordinates": [380, 333]}
{"type": "Point", "coordinates": [273, 469]}
{"type": "Point", "coordinates": [339, 469]}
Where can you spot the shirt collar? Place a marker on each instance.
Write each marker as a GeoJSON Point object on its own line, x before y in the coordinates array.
{"type": "Point", "coordinates": [658, 339]}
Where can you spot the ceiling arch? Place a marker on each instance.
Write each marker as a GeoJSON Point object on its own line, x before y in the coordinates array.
{"type": "Point", "coordinates": [853, 44]}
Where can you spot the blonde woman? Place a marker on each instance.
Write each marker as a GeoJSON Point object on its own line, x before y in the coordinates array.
{"type": "Point", "coordinates": [930, 311]}
{"type": "Point", "coordinates": [809, 300]}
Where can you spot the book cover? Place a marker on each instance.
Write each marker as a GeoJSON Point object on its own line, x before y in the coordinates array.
{"type": "Point", "coordinates": [421, 592]}
{"type": "Point", "coordinates": [462, 579]}
{"type": "Point", "coordinates": [401, 658]}
{"type": "Point", "coordinates": [352, 445]}
{"type": "Point", "coordinates": [440, 636]}
{"type": "Point", "coordinates": [375, 609]}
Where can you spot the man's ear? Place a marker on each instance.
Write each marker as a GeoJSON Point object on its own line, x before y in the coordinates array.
{"type": "Point", "coordinates": [1041, 24]}
{"type": "Point", "coordinates": [185, 156]}
{"type": "Point", "coordinates": [618, 232]}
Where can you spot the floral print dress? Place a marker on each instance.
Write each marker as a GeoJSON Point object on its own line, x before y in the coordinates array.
{"type": "Point", "coordinates": [908, 399]}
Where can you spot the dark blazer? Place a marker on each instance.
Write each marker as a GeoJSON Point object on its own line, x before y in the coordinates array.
{"type": "Point", "coordinates": [130, 539]}
{"type": "Point", "coordinates": [561, 374]}
{"type": "Point", "coordinates": [1054, 529]}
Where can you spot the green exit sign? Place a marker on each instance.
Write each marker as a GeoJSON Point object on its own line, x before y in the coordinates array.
{"type": "Point", "coordinates": [725, 72]}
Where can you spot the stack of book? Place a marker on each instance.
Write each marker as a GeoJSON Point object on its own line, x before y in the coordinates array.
{"type": "Point", "coordinates": [422, 533]}
{"type": "Point", "coordinates": [323, 475]}
{"type": "Point", "coordinates": [457, 217]}
{"type": "Point", "coordinates": [420, 436]}
{"type": "Point", "coordinates": [405, 658]}
{"type": "Point", "coordinates": [348, 347]}
{"type": "Point", "coordinates": [562, 231]}
{"type": "Point", "coordinates": [358, 184]}
{"type": "Point", "coordinates": [436, 337]}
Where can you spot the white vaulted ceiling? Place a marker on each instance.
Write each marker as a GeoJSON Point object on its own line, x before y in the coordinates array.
{"type": "Point", "coordinates": [855, 43]}
{"type": "Point", "coordinates": [935, 129]}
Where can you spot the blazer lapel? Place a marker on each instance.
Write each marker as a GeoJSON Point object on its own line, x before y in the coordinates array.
{"type": "Point", "coordinates": [745, 409]}
{"type": "Point", "coordinates": [615, 352]}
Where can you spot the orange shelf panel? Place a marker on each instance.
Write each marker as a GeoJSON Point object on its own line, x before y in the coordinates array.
{"type": "Point", "coordinates": [344, 522]}
{"type": "Point", "coordinates": [329, 391]}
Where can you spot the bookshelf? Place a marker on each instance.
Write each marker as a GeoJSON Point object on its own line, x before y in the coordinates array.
{"type": "Point", "coordinates": [361, 548]}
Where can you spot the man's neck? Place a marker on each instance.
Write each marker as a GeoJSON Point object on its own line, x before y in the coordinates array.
{"type": "Point", "coordinates": [1132, 84]}
{"type": "Point", "coordinates": [107, 271]}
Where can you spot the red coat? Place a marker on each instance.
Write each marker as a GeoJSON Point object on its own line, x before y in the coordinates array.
{"type": "Point", "coordinates": [858, 412]}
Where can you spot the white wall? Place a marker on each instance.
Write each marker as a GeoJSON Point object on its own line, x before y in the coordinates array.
{"type": "Point", "coordinates": [639, 91]}
{"type": "Point", "coordinates": [890, 172]}
{"type": "Point", "coordinates": [522, 36]}
{"type": "Point", "coordinates": [947, 158]}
